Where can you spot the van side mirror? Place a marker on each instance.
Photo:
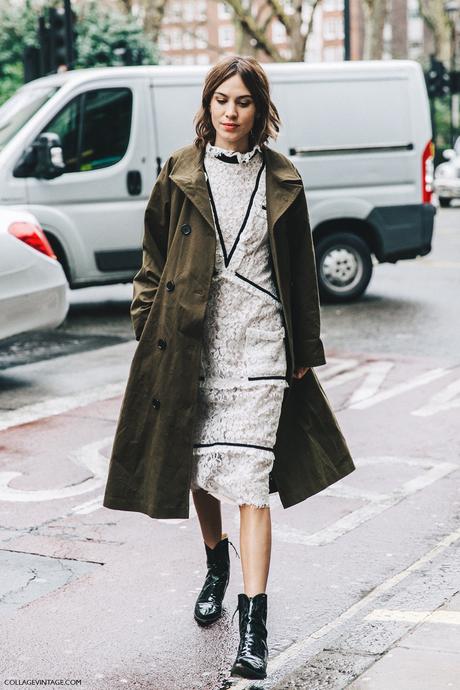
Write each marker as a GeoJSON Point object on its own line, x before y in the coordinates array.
{"type": "Point", "coordinates": [44, 159]}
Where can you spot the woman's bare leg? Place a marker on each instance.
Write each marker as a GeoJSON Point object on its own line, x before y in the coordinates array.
{"type": "Point", "coordinates": [255, 547]}
{"type": "Point", "coordinates": [209, 515]}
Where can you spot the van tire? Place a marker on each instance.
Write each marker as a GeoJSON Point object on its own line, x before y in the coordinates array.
{"type": "Point", "coordinates": [344, 266]}
{"type": "Point", "coordinates": [444, 202]}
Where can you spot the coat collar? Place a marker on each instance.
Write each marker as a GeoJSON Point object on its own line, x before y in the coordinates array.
{"type": "Point", "coordinates": [282, 182]}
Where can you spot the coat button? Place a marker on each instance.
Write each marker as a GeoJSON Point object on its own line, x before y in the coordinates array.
{"type": "Point", "coordinates": [162, 344]}
{"type": "Point", "coordinates": [170, 285]}
{"type": "Point", "coordinates": [186, 229]}
{"type": "Point", "coordinates": [156, 403]}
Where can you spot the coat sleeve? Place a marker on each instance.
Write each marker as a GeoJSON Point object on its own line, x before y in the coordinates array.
{"type": "Point", "coordinates": [308, 347]}
{"type": "Point", "coordinates": [154, 250]}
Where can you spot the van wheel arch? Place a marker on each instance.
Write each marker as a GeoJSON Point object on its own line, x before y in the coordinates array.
{"type": "Point", "coordinates": [343, 250]}
{"type": "Point", "coordinates": [58, 249]}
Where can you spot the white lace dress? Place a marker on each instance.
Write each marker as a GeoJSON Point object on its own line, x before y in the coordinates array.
{"type": "Point", "coordinates": [243, 363]}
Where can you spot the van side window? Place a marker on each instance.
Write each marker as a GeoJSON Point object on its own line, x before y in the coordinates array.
{"type": "Point", "coordinates": [94, 128]}
{"type": "Point", "coordinates": [67, 124]}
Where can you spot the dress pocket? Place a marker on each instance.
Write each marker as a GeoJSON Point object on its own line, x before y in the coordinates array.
{"type": "Point", "coordinates": [265, 353]}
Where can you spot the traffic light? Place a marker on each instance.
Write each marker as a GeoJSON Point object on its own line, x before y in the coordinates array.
{"type": "Point", "coordinates": [58, 38]}
{"type": "Point", "coordinates": [437, 79]}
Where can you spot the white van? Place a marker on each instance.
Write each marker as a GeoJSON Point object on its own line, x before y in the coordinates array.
{"type": "Point", "coordinates": [358, 132]}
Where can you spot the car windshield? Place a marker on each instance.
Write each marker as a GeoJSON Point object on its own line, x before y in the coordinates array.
{"type": "Point", "coordinates": [20, 108]}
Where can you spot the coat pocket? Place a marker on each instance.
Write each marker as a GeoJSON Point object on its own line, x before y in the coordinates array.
{"type": "Point", "coordinates": [265, 354]}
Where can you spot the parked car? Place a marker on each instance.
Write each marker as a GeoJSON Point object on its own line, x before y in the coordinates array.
{"type": "Point", "coordinates": [82, 150]}
{"type": "Point", "coordinates": [446, 182]}
{"type": "Point", "coordinates": [33, 286]}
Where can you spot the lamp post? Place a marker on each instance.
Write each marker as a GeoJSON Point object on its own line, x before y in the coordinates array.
{"type": "Point", "coordinates": [452, 9]}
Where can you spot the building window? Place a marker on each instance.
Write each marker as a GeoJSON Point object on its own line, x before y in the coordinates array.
{"type": "Point", "coordinates": [176, 39]}
{"type": "Point", "coordinates": [288, 6]}
{"type": "Point", "coordinates": [201, 10]}
{"type": "Point", "coordinates": [202, 59]}
{"type": "Point", "coordinates": [175, 12]}
{"type": "Point", "coordinates": [164, 41]}
{"type": "Point", "coordinates": [332, 53]}
{"type": "Point", "coordinates": [332, 5]}
{"type": "Point", "coordinates": [188, 11]}
{"type": "Point", "coordinates": [286, 53]}
{"type": "Point", "coordinates": [333, 28]}
{"type": "Point", "coordinates": [224, 11]}
{"type": "Point", "coordinates": [278, 32]}
{"type": "Point", "coordinates": [201, 37]}
{"type": "Point", "coordinates": [226, 36]}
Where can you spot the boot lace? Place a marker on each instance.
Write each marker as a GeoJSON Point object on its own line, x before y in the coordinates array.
{"type": "Point", "coordinates": [234, 548]}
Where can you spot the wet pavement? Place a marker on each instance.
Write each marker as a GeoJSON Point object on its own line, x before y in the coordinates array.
{"type": "Point", "coordinates": [364, 580]}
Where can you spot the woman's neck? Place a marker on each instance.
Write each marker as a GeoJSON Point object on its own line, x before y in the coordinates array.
{"type": "Point", "coordinates": [242, 145]}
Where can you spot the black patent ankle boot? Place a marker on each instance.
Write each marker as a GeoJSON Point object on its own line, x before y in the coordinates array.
{"type": "Point", "coordinates": [252, 656]}
{"type": "Point", "coordinates": [208, 607]}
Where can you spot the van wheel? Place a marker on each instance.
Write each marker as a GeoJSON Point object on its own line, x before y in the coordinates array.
{"type": "Point", "coordinates": [344, 266]}
{"type": "Point", "coordinates": [444, 201]}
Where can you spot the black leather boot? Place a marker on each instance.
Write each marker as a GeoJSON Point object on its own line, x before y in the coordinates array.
{"type": "Point", "coordinates": [208, 607]}
{"type": "Point", "coordinates": [252, 656]}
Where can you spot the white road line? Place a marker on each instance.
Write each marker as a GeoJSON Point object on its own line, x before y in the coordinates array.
{"type": "Point", "coordinates": [377, 503]}
{"type": "Point", "coordinates": [446, 399]}
{"type": "Point", "coordinates": [54, 406]}
{"type": "Point", "coordinates": [377, 373]}
{"type": "Point", "coordinates": [443, 616]}
{"type": "Point", "coordinates": [421, 380]}
{"type": "Point", "coordinates": [89, 506]}
{"type": "Point", "coordinates": [298, 648]}
{"type": "Point", "coordinates": [336, 366]}
{"type": "Point", "coordinates": [89, 456]}
{"type": "Point", "coordinates": [366, 369]}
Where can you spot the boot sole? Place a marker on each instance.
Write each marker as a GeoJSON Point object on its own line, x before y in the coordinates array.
{"type": "Point", "coordinates": [245, 672]}
{"type": "Point", "coordinates": [206, 621]}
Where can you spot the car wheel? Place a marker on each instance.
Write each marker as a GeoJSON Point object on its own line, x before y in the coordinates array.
{"type": "Point", "coordinates": [344, 266]}
{"type": "Point", "coordinates": [444, 201]}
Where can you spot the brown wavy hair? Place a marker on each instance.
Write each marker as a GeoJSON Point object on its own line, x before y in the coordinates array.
{"type": "Point", "coordinates": [267, 120]}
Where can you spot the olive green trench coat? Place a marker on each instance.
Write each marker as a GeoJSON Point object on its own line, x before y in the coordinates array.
{"type": "Point", "coordinates": [151, 460]}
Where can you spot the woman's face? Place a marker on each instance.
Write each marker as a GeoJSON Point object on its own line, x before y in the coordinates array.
{"type": "Point", "coordinates": [232, 114]}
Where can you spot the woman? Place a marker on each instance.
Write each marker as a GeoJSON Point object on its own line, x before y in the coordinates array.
{"type": "Point", "coordinates": [221, 398]}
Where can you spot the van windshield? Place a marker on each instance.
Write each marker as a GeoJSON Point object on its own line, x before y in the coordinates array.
{"type": "Point", "coordinates": [20, 108]}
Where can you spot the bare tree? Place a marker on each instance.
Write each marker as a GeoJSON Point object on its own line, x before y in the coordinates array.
{"type": "Point", "coordinates": [375, 13]}
{"type": "Point", "coordinates": [254, 19]}
{"type": "Point", "coordinates": [435, 17]}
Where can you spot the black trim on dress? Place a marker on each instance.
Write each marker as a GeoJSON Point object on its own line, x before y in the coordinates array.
{"type": "Point", "coordinates": [259, 287]}
{"type": "Point", "coordinates": [227, 258]}
{"type": "Point", "coordinates": [228, 443]}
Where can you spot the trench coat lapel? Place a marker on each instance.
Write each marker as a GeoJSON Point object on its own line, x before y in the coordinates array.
{"type": "Point", "coordinates": [282, 185]}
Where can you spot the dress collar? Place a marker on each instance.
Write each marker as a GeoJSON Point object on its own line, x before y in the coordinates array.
{"type": "Point", "coordinates": [231, 156]}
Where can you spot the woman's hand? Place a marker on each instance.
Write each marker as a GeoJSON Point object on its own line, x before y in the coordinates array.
{"type": "Point", "coordinates": [300, 371]}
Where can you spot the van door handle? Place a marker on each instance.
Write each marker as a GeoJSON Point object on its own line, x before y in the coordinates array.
{"type": "Point", "coordinates": [134, 182]}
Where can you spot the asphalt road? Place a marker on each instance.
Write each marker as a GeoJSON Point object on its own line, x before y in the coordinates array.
{"type": "Point", "coordinates": [364, 579]}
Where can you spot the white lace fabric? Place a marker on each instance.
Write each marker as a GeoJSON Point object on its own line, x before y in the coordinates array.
{"type": "Point", "coordinates": [243, 360]}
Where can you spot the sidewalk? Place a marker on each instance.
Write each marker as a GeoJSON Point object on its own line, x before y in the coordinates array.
{"type": "Point", "coordinates": [428, 658]}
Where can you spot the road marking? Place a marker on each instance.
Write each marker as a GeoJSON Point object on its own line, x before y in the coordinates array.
{"type": "Point", "coordinates": [352, 370]}
{"type": "Point", "coordinates": [298, 648]}
{"type": "Point", "coordinates": [447, 399]}
{"type": "Point", "coordinates": [377, 374]}
{"type": "Point", "coordinates": [421, 380]}
{"type": "Point", "coordinates": [89, 506]}
{"type": "Point", "coordinates": [88, 456]}
{"type": "Point", "coordinates": [446, 617]}
{"type": "Point", "coordinates": [376, 503]}
{"type": "Point", "coordinates": [55, 406]}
